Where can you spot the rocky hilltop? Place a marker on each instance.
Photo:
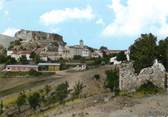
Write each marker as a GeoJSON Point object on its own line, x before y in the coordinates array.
{"type": "Point", "coordinates": [37, 39]}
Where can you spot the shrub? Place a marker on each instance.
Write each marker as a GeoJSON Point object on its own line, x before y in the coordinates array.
{"type": "Point", "coordinates": [112, 80]}
{"type": "Point", "coordinates": [21, 100]}
{"type": "Point", "coordinates": [97, 76]}
{"type": "Point", "coordinates": [121, 56]}
{"type": "Point", "coordinates": [61, 92]}
{"type": "Point", "coordinates": [33, 72]}
{"type": "Point", "coordinates": [148, 88]}
{"type": "Point", "coordinates": [34, 100]}
{"type": "Point", "coordinates": [77, 89]}
{"type": "Point", "coordinates": [1, 107]}
{"type": "Point", "coordinates": [77, 57]}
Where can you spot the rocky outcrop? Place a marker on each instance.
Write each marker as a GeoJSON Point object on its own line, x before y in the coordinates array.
{"type": "Point", "coordinates": [37, 39]}
{"type": "Point", "coordinates": [129, 81]}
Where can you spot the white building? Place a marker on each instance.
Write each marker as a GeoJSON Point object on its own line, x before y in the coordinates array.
{"type": "Point", "coordinates": [80, 50]}
{"type": "Point", "coordinates": [17, 54]}
{"type": "Point", "coordinates": [114, 61]}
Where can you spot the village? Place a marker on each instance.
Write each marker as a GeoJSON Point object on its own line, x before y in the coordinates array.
{"type": "Point", "coordinates": [51, 51]}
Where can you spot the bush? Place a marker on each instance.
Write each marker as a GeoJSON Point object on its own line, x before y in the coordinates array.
{"type": "Point", "coordinates": [148, 88]}
{"type": "Point", "coordinates": [61, 92]}
{"type": "Point", "coordinates": [77, 89]}
{"type": "Point", "coordinates": [21, 100]}
{"type": "Point", "coordinates": [112, 80]}
{"type": "Point", "coordinates": [97, 76]}
{"type": "Point", "coordinates": [77, 57]}
{"type": "Point", "coordinates": [1, 107]}
{"type": "Point", "coordinates": [121, 56]}
{"type": "Point", "coordinates": [33, 72]}
{"type": "Point", "coordinates": [34, 100]}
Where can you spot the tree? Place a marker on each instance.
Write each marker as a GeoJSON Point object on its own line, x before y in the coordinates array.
{"type": "Point", "coordinates": [103, 48]}
{"type": "Point", "coordinates": [34, 100]}
{"type": "Point", "coordinates": [10, 60]}
{"type": "Point", "coordinates": [62, 92]}
{"type": "Point", "coordinates": [121, 56]}
{"type": "Point", "coordinates": [21, 100]}
{"type": "Point", "coordinates": [77, 89]}
{"type": "Point", "coordinates": [23, 60]}
{"type": "Point", "coordinates": [35, 57]}
{"type": "Point", "coordinates": [143, 51]}
{"type": "Point", "coordinates": [162, 54]}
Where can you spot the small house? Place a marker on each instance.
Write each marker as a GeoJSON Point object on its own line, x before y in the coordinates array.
{"type": "Point", "coordinates": [49, 67]}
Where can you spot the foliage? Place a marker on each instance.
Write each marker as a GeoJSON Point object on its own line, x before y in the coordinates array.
{"type": "Point", "coordinates": [77, 57]}
{"type": "Point", "coordinates": [14, 43]}
{"type": "Point", "coordinates": [104, 60]}
{"type": "Point", "coordinates": [103, 48]}
{"type": "Point", "coordinates": [23, 60]}
{"type": "Point", "coordinates": [148, 88]}
{"type": "Point", "coordinates": [121, 56]}
{"type": "Point", "coordinates": [33, 72]}
{"type": "Point", "coordinates": [77, 89]}
{"type": "Point", "coordinates": [61, 92]}
{"type": "Point", "coordinates": [2, 58]}
{"type": "Point", "coordinates": [10, 60]}
{"type": "Point", "coordinates": [162, 54]}
{"type": "Point", "coordinates": [97, 76]}
{"type": "Point", "coordinates": [143, 51]}
{"type": "Point", "coordinates": [112, 80]}
{"type": "Point", "coordinates": [1, 107]}
{"type": "Point", "coordinates": [35, 57]}
{"type": "Point", "coordinates": [21, 100]}
{"type": "Point", "coordinates": [34, 100]}
{"type": "Point", "coordinates": [47, 89]}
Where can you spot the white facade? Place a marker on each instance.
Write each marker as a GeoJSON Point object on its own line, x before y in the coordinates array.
{"type": "Point", "coordinates": [114, 61]}
{"type": "Point", "coordinates": [18, 54]}
{"type": "Point", "coordinates": [80, 50]}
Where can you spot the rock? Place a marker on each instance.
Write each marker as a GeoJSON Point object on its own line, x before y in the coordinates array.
{"type": "Point", "coordinates": [129, 81]}
{"type": "Point", "coordinates": [33, 39]}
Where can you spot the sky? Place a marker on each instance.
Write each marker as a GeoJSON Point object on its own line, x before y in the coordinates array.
{"type": "Point", "coordinates": [111, 23]}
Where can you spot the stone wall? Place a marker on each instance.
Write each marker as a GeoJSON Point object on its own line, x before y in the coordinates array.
{"type": "Point", "coordinates": [130, 81]}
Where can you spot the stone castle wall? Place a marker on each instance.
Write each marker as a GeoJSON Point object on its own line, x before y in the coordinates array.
{"type": "Point", "coordinates": [130, 81]}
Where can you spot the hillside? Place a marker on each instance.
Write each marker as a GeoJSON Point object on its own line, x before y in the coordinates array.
{"type": "Point", "coordinates": [5, 40]}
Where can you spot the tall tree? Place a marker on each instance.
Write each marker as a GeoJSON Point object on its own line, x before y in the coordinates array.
{"type": "Point", "coordinates": [162, 54]}
{"type": "Point", "coordinates": [143, 51]}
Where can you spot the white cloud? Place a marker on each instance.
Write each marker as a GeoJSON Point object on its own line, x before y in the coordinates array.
{"type": "Point", "coordinates": [138, 16]}
{"type": "Point", "coordinates": [1, 4]}
{"type": "Point", "coordinates": [10, 31]}
{"type": "Point", "coordinates": [100, 21]}
{"type": "Point", "coordinates": [58, 16]}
